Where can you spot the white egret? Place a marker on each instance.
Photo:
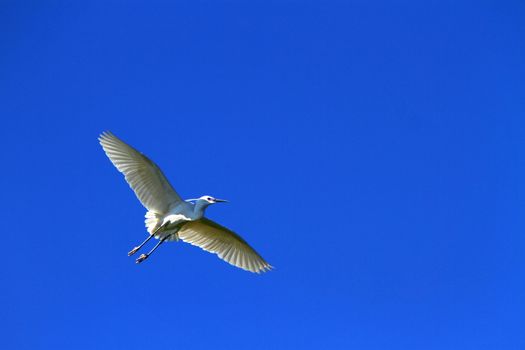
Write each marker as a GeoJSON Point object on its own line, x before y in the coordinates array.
{"type": "Point", "coordinates": [169, 218]}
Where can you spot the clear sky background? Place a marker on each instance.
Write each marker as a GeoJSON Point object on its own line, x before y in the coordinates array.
{"type": "Point", "coordinates": [372, 152]}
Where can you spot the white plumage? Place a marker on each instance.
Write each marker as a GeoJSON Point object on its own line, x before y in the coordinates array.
{"type": "Point", "coordinates": [219, 240]}
{"type": "Point", "coordinates": [169, 217]}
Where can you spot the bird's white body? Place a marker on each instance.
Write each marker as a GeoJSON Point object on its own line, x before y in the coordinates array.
{"type": "Point", "coordinates": [177, 216]}
{"type": "Point", "coordinates": [169, 218]}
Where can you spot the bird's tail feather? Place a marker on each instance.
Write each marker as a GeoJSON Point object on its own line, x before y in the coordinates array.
{"type": "Point", "coordinates": [153, 221]}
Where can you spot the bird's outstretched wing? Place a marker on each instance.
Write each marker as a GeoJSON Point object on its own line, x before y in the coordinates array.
{"type": "Point", "coordinates": [145, 178]}
{"type": "Point", "coordinates": [219, 240]}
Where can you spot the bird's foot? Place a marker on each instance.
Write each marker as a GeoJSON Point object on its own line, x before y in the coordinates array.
{"type": "Point", "coordinates": [142, 258]}
{"type": "Point", "coordinates": [133, 251]}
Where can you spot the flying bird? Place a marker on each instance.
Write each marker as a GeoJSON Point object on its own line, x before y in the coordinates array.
{"type": "Point", "coordinates": [169, 218]}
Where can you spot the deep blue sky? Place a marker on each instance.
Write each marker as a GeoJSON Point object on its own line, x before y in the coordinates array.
{"type": "Point", "coordinates": [372, 152]}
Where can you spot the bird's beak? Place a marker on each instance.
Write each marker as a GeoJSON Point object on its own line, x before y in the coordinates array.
{"type": "Point", "coordinates": [220, 200]}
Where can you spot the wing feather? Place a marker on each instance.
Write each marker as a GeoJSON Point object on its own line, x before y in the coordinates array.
{"type": "Point", "coordinates": [143, 176]}
{"type": "Point", "coordinates": [229, 246]}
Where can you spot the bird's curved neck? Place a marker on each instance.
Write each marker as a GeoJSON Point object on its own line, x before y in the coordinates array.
{"type": "Point", "coordinates": [199, 208]}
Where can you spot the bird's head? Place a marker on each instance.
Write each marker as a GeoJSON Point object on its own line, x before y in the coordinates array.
{"type": "Point", "coordinates": [207, 200]}
{"type": "Point", "coordinates": [212, 200]}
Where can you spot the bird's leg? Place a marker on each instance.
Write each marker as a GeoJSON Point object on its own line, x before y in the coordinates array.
{"type": "Point", "coordinates": [134, 250]}
{"type": "Point", "coordinates": [145, 256]}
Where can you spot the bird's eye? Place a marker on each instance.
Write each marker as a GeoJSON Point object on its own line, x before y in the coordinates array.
{"type": "Point", "coordinates": [210, 199]}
